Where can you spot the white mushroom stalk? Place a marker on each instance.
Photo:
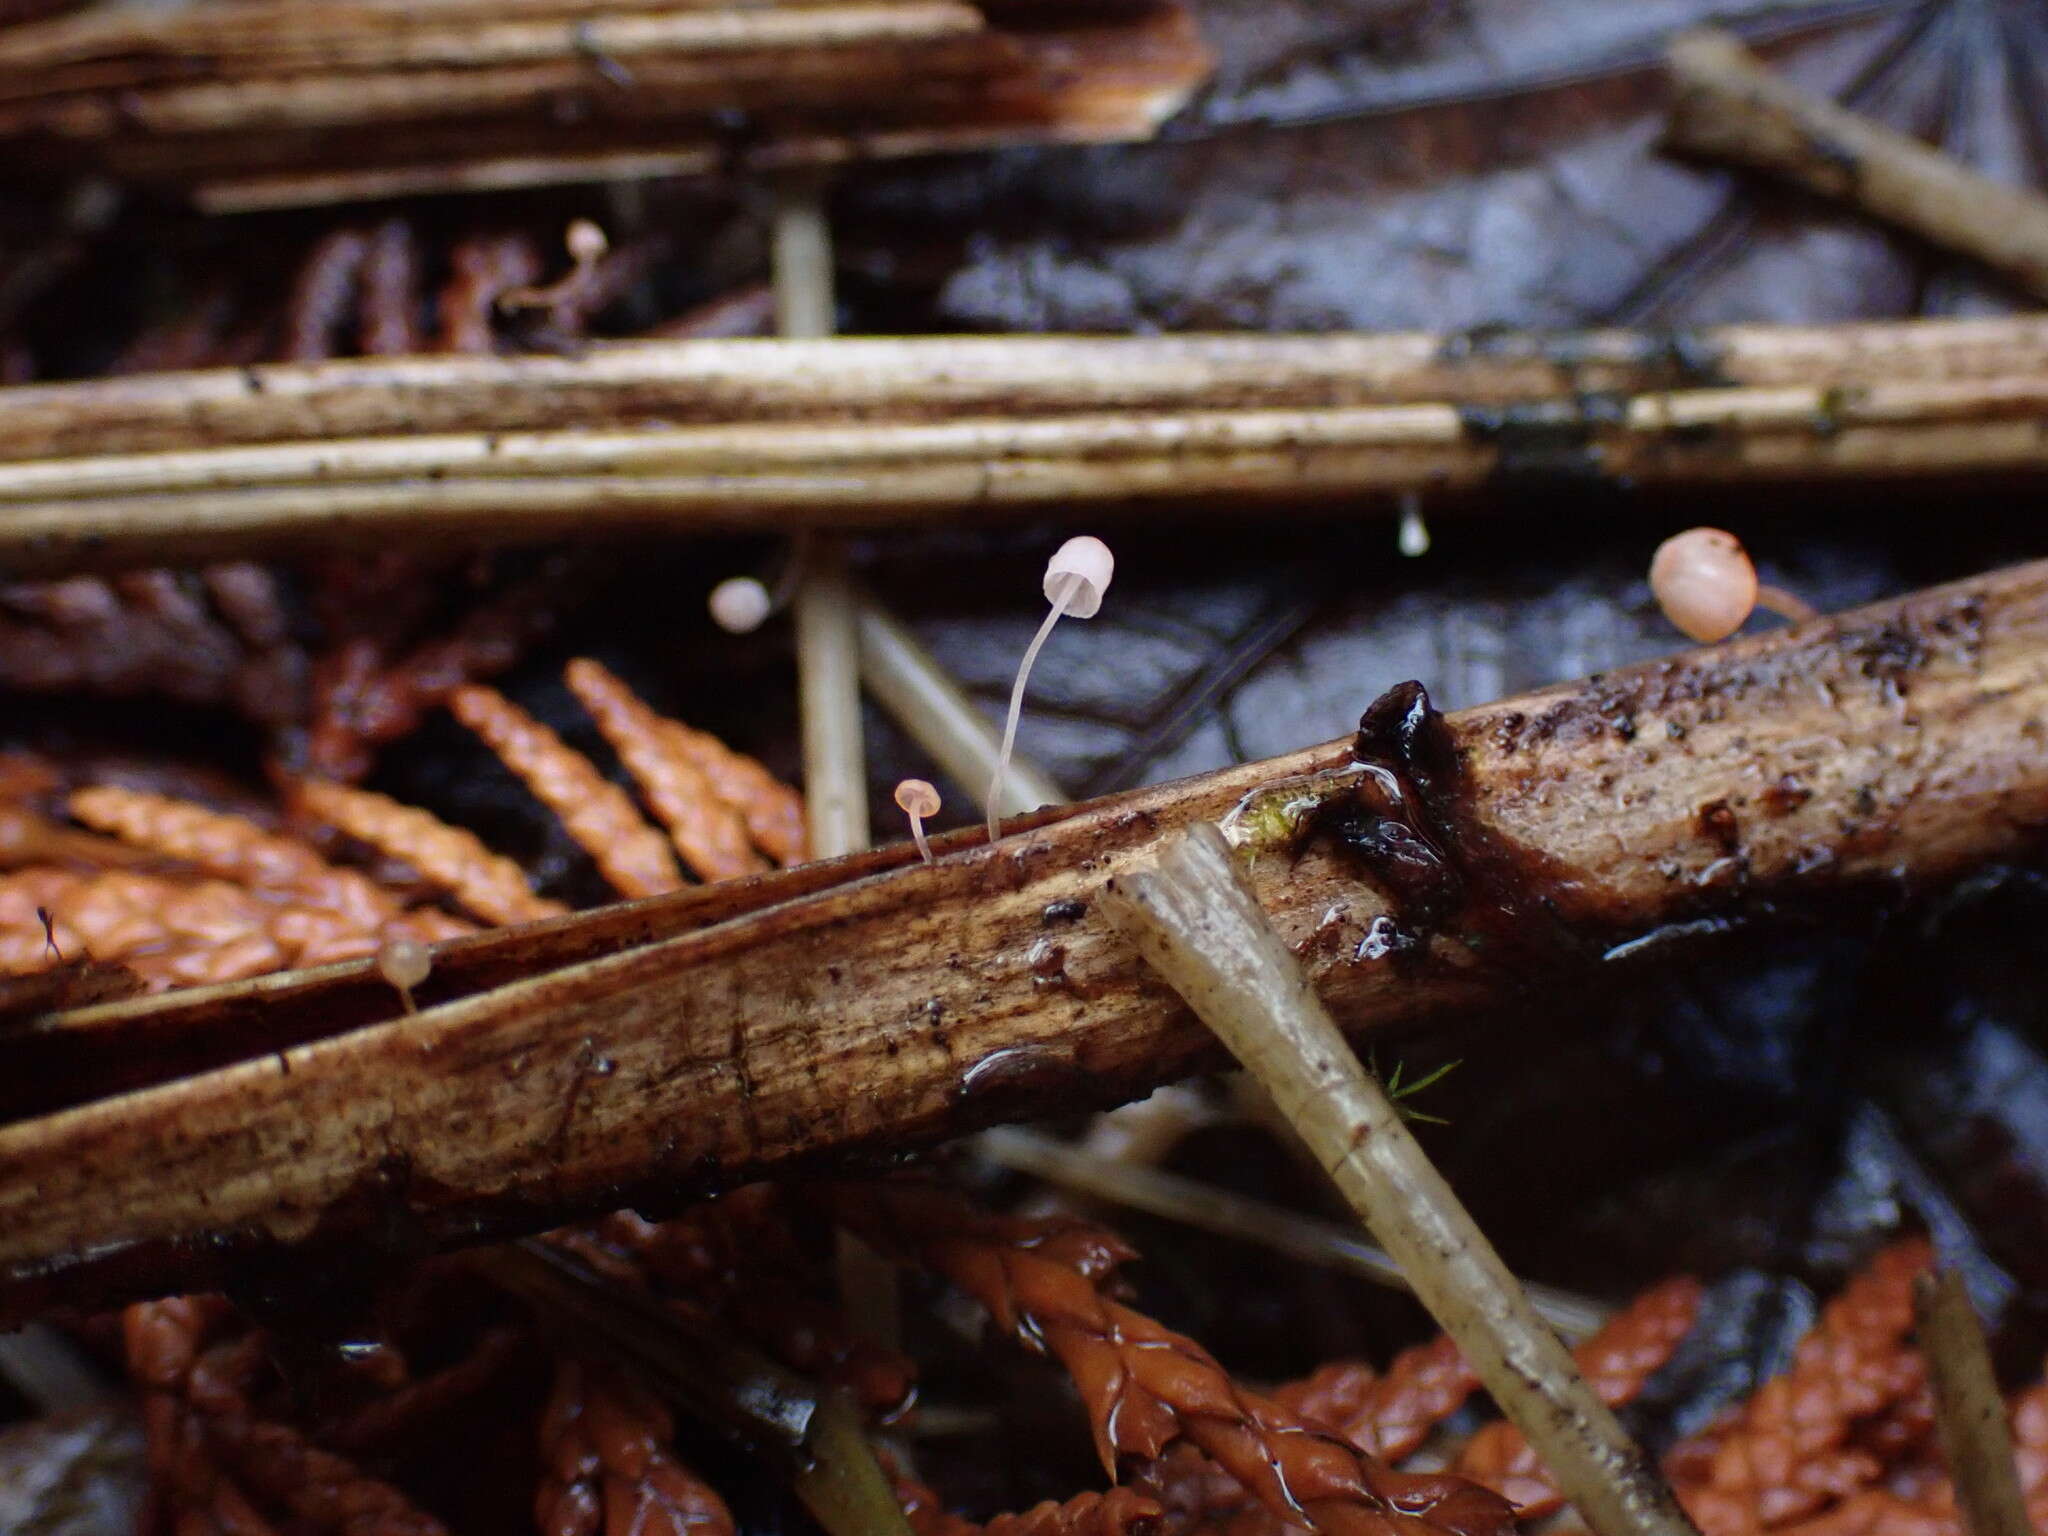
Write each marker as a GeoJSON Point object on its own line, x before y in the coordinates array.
{"type": "Point", "coordinates": [1076, 578]}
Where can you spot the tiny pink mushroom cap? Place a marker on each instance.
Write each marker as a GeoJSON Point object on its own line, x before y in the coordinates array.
{"type": "Point", "coordinates": [586, 242]}
{"type": "Point", "coordinates": [405, 963]}
{"type": "Point", "coordinates": [916, 797]}
{"type": "Point", "coordinates": [1705, 583]}
{"type": "Point", "coordinates": [1080, 570]}
{"type": "Point", "coordinates": [740, 605]}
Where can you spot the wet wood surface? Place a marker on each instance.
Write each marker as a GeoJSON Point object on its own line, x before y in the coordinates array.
{"type": "Point", "coordinates": [1865, 753]}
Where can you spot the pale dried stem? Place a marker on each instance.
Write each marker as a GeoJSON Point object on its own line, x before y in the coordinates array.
{"type": "Point", "coordinates": [1169, 1195]}
{"type": "Point", "coordinates": [1969, 1413]}
{"type": "Point", "coordinates": [1197, 920]}
{"type": "Point", "coordinates": [52, 1374]}
{"type": "Point", "coordinates": [1731, 107]}
{"type": "Point", "coordinates": [828, 672]}
{"type": "Point", "coordinates": [879, 1003]}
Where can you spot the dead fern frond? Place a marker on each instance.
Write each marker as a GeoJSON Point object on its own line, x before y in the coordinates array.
{"type": "Point", "coordinates": [233, 848]}
{"type": "Point", "coordinates": [607, 1469]}
{"type": "Point", "coordinates": [597, 813]}
{"type": "Point", "coordinates": [1148, 1388]}
{"type": "Point", "coordinates": [456, 860]}
{"type": "Point", "coordinates": [1789, 1452]}
{"type": "Point", "coordinates": [708, 832]}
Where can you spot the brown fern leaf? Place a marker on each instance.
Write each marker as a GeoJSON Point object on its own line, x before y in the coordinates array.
{"type": "Point", "coordinates": [1387, 1414]}
{"type": "Point", "coordinates": [773, 812]}
{"type": "Point", "coordinates": [485, 268]}
{"type": "Point", "coordinates": [233, 848]}
{"type": "Point", "coordinates": [1785, 1456]}
{"type": "Point", "coordinates": [1115, 1512]}
{"type": "Point", "coordinates": [607, 1467]}
{"type": "Point", "coordinates": [491, 886]}
{"type": "Point", "coordinates": [1616, 1362]}
{"type": "Point", "coordinates": [415, 1406]}
{"type": "Point", "coordinates": [1147, 1387]}
{"type": "Point", "coordinates": [217, 1467]}
{"type": "Point", "coordinates": [735, 1258]}
{"type": "Point", "coordinates": [597, 813]}
{"type": "Point", "coordinates": [169, 932]}
{"type": "Point", "coordinates": [709, 833]}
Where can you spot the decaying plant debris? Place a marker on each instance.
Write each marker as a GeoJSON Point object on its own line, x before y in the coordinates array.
{"type": "Point", "coordinates": [1892, 743]}
{"type": "Point", "coordinates": [248, 107]}
{"type": "Point", "coordinates": [336, 1147]}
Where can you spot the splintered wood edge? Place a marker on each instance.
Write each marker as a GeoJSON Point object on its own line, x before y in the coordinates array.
{"type": "Point", "coordinates": [1897, 744]}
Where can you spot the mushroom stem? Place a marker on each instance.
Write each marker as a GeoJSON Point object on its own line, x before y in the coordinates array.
{"type": "Point", "coordinates": [911, 687]}
{"type": "Point", "coordinates": [1196, 919]}
{"type": "Point", "coordinates": [1785, 604]}
{"type": "Point", "coordinates": [1069, 588]}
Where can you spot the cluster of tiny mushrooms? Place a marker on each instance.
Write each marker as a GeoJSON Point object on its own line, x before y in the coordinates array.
{"type": "Point", "coordinates": [1703, 580]}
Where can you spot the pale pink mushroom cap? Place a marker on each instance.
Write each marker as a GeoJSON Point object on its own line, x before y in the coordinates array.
{"type": "Point", "coordinates": [1704, 582]}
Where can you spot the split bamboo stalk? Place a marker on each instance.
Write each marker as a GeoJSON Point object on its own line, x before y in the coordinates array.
{"type": "Point", "coordinates": [1195, 918]}
{"type": "Point", "coordinates": [788, 435]}
{"type": "Point", "coordinates": [1731, 107]}
{"type": "Point", "coordinates": [899, 1003]}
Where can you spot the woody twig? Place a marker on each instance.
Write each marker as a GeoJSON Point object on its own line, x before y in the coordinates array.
{"type": "Point", "coordinates": [1730, 107]}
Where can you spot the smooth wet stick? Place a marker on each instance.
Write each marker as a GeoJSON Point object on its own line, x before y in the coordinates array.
{"type": "Point", "coordinates": [1196, 920]}
{"type": "Point", "coordinates": [1731, 107]}
{"type": "Point", "coordinates": [1969, 1414]}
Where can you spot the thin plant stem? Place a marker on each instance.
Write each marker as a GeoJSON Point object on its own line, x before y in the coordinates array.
{"type": "Point", "coordinates": [1195, 1204]}
{"type": "Point", "coordinates": [50, 1371]}
{"type": "Point", "coordinates": [995, 783]}
{"type": "Point", "coordinates": [935, 712]}
{"type": "Point", "coordinates": [828, 669]}
{"type": "Point", "coordinates": [1969, 1414]}
{"type": "Point", "coordinates": [1196, 919]}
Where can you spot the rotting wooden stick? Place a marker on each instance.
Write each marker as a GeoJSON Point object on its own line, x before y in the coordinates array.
{"type": "Point", "coordinates": [1969, 1413]}
{"type": "Point", "coordinates": [1195, 918]}
{"type": "Point", "coordinates": [878, 1003]}
{"type": "Point", "coordinates": [1731, 107]}
{"type": "Point", "coordinates": [241, 110]}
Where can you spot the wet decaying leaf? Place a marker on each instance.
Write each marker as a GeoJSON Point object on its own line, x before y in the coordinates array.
{"type": "Point", "coordinates": [1766, 1109]}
